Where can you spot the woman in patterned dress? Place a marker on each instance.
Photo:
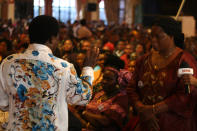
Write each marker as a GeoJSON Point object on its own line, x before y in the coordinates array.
{"type": "Point", "coordinates": [156, 92]}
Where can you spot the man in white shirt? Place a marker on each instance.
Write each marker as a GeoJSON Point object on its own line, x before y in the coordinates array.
{"type": "Point", "coordinates": [36, 86]}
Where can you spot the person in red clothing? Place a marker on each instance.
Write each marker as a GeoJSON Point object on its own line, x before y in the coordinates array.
{"type": "Point", "coordinates": [108, 109]}
{"type": "Point", "coordinates": [156, 92]}
{"type": "Point", "coordinates": [109, 47]}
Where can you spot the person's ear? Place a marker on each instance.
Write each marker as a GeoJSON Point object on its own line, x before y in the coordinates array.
{"type": "Point", "coordinates": [171, 38]}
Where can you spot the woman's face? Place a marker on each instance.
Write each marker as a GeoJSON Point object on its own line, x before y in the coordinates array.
{"type": "Point", "coordinates": [121, 46]}
{"type": "Point", "coordinates": [101, 60]}
{"type": "Point", "coordinates": [80, 59]}
{"type": "Point", "coordinates": [128, 49]}
{"type": "Point", "coordinates": [131, 67]}
{"type": "Point", "coordinates": [109, 80]}
{"type": "Point", "coordinates": [68, 45]}
{"type": "Point", "coordinates": [86, 46]}
{"type": "Point", "coordinates": [160, 40]}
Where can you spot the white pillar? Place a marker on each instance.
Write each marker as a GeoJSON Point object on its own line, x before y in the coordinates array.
{"type": "Point", "coordinates": [11, 9]}
{"type": "Point", "coordinates": [80, 7]}
{"type": "Point", "coordinates": [128, 12]}
{"type": "Point", "coordinates": [188, 24]}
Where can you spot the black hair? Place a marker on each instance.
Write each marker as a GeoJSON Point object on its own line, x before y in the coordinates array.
{"type": "Point", "coordinates": [75, 22]}
{"type": "Point", "coordinates": [42, 28]}
{"type": "Point", "coordinates": [62, 25]}
{"type": "Point", "coordinates": [171, 27]}
{"type": "Point", "coordinates": [83, 22]}
{"type": "Point", "coordinates": [101, 51]}
{"type": "Point", "coordinates": [114, 61]}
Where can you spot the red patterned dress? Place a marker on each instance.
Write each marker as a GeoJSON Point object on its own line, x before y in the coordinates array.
{"type": "Point", "coordinates": [152, 84]}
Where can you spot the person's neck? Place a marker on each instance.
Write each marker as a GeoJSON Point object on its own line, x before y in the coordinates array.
{"type": "Point", "coordinates": [51, 46]}
{"type": "Point", "coordinates": [168, 53]}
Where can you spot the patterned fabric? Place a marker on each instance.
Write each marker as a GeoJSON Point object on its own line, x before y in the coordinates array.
{"type": "Point", "coordinates": [115, 107]}
{"type": "Point", "coordinates": [37, 86]}
{"type": "Point", "coordinates": [152, 84]}
{"type": "Point", "coordinates": [98, 75]}
{"type": "Point", "coordinates": [97, 105]}
{"type": "Point", "coordinates": [3, 120]}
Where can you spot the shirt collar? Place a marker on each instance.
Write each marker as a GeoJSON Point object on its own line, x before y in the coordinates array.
{"type": "Point", "coordinates": [39, 48]}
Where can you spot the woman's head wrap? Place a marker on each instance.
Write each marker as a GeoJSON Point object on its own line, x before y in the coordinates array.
{"type": "Point", "coordinates": [123, 76]}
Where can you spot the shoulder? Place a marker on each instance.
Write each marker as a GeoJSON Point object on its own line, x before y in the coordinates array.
{"type": "Point", "coordinates": [50, 58]}
{"type": "Point", "coordinates": [62, 64]}
{"type": "Point", "coordinates": [186, 56]}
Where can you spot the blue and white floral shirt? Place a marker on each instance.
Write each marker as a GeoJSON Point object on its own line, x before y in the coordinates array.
{"type": "Point", "coordinates": [36, 86]}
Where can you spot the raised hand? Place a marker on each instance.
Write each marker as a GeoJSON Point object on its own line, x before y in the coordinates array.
{"type": "Point", "coordinates": [91, 57]}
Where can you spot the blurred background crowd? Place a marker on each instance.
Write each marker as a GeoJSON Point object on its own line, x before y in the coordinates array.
{"type": "Point", "coordinates": [119, 46]}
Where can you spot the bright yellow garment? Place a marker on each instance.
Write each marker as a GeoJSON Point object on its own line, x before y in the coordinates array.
{"type": "Point", "coordinates": [98, 76]}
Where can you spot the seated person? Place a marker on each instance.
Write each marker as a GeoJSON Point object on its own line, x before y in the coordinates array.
{"type": "Point", "coordinates": [108, 109]}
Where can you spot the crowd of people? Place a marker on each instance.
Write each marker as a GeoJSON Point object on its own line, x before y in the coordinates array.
{"type": "Point", "coordinates": [135, 86]}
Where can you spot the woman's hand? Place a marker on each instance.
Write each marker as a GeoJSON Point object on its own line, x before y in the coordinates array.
{"type": "Point", "coordinates": [189, 80]}
{"type": "Point", "coordinates": [147, 116]}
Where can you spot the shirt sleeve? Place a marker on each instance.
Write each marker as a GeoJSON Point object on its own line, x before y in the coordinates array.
{"type": "Point", "coordinates": [4, 100]}
{"type": "Point", "coordinates": [79, 91]}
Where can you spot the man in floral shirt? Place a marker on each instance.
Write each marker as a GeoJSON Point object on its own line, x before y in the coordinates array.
{"type": "Point", "coordinates": [36, 86]}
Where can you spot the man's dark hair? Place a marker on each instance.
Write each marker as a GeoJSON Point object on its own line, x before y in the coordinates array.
{"type": "Point", "coordinates": [62, 25]}
{"type": "Point", "coordinates": [83, 22]}
{"type": "Point", "coordinates": [171, 27]}
{"type": "Point", "coordinates": [114, 61]}
{"type": "Point", "coordinates": [42, 28]}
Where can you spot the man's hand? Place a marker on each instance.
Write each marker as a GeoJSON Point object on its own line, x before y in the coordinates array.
{"type": "Point", "coordinates": [91, 57]}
